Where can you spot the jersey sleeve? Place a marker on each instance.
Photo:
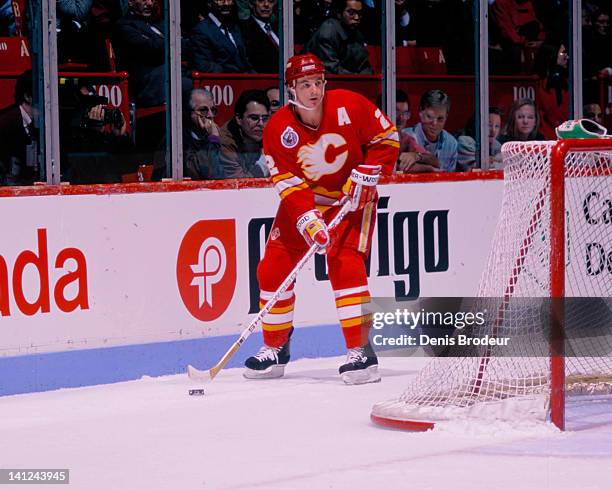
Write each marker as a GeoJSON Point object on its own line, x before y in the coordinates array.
{"type": "Point", "coordinates": [295, 194]}
{"type": "Point", "coordinates": [379, 136]}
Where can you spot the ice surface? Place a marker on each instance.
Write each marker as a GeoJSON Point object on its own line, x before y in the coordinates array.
{"type": "Point", "coordinates": [305, 431]}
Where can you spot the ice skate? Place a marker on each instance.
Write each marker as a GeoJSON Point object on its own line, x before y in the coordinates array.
{"type": "Point", "coordinates": [268, 363]}
{"type": "Point", "coordinates": [361, 366]}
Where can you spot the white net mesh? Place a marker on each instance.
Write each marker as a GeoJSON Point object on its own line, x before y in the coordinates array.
{"type": "Point", "coordinates": [514, 381]}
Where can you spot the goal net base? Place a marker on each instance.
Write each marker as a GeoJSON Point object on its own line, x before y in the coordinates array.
{"type": "Point", "coordinates": [399, 415]}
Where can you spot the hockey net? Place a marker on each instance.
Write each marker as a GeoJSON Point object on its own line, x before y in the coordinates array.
{"type": "Point", "coordinates": [553, 240]}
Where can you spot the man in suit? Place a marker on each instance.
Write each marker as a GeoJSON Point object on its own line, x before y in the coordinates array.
{"type": "Point", "coordinates": [260, 38]}
{"type": "Point", "coordinates": [18, 145]}
{"type": "Point", "coordinates": [138, 40]}
{"type": "Point", "coordinates": [216, 44]}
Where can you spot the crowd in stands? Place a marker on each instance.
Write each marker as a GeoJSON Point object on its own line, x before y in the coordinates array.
{"type": "Point", "coordinates": [243, 36]}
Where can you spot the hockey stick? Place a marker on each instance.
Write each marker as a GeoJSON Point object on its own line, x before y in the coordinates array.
{"type": "Point", "coordinates": [210, 374]}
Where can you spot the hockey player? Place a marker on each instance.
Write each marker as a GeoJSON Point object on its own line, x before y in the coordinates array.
{"type": "Point", "coordinates": [319, 148]}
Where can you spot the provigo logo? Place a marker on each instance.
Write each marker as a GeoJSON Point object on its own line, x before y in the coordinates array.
{"type": "Point", "coordinates": [206, 268]}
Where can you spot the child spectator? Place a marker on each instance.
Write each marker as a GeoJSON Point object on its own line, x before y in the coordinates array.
{"type": "Point", "coordinates": [466, 153]}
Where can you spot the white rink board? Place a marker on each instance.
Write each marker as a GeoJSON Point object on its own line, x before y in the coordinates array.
{"type": "Point", "coordinates": [130, 243]}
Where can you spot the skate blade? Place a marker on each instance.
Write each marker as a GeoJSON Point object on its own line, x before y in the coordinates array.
{"type": "Point", "coordinates": [362, 376]}
{"type": "Point", "coordinates": [276, 371]}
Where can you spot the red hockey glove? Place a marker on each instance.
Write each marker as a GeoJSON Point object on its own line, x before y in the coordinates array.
{"type": "Point", "coordinates": [362, 185]}
{"type": "Point", "coordinates": [314, 230]}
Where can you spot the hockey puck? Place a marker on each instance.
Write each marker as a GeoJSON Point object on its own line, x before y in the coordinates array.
{"type": "Point", "coordinates": [198, 392]}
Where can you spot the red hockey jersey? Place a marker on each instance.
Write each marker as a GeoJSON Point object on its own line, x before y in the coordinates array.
{"type": "Point", "coordinates": [309, 167]}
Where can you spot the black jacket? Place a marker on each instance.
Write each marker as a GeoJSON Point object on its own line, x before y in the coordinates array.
{"type": "Point", "coordinates": [139, 45]}
{"type": "Point", "coordinates": [211, 51]}
{"type": "Point", "coordinates": [262, 52]}
{"type": "Point", "coordinates": [341, 50]}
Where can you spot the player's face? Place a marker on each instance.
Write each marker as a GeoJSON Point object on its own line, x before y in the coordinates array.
{"type": "Point", "coordinates": [494, 126]}
{"type": "Point", "coordinates": [525, 120]}
{"type": "Point", "coordinates": [433, 120]}
{"type": "Point", "coordinates": [309, 90]}
{"type": "Point", "coordinates": [254, 120]}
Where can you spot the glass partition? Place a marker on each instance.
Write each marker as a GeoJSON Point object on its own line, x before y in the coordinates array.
{"type": "Point", "coordinates": [231, 52]}
{"type": "Point", "coordinates": [112, 91]}
{"type": "Point", "coordinates": [528, 67]}
{"type": "Point", "coordinates": [22, 147]}
{"type": "Point", "coordinates": [435, 84]}
{"type": "Point", "coordinates": [114, 62]}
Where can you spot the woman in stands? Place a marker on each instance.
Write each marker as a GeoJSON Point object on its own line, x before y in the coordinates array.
{"type": "Point", "coordinates": [523, 122]}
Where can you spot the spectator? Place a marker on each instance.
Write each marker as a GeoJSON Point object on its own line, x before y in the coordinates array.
{"type": "Point", "coordinates": [103, 16]}
{"type": "Point", "coordinates": [273, 94]}
{"type": "Point", "coordinates": [95, 143]}
{"type": "Point", "coordinates": [518, 27]}
{"type": "Point", "coordinates": [19, 141]}
{"type": "Point", "coordinates": [138, 40]}
{"type": "Point", "coordinates": [260, 38]}
{"type": "Point", "coordinates": [402, 109]}
{"type": "Point", "coordinates": [523, 122]}
{"type": "Point", "coordinates": [413, 158]}
{"type": "Point", "coordinates": [402, 20]}
{"type": "Point", "coordinates": [597, 49]}
{"type": "Point", "coordinates": [8, 27]}
{"type": "Point", "coordinates": [201, 140]}
{"type": "Point", "coordinates": [466, 152]}
{"type": "Point", "coordinates": [339, 43]}
{"type": "Point", "coordinates": [72, 34]}
{"type": "Point", "coordinates": [430, 133]}
{"type": "Point", "coordinates": [216, 44]}
{"type": "Point", "coordinates": [593, 112]}
{"type": "Point", "coordinates": [241, 137]}
{"type": "Point", "coordinates": [551, 66]}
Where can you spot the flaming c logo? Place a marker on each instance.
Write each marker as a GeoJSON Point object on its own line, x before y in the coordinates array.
{"type": "Point", "coordinates": [206, 268]}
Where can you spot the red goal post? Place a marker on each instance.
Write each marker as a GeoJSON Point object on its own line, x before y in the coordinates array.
{"type": "Point", "coordinates": [543, 246]}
